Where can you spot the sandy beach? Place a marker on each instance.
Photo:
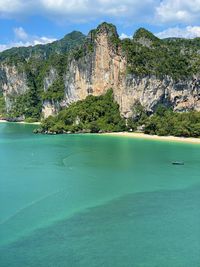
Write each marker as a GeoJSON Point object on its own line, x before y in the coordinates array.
{"type": "Point", "coordinates": [34, 123]}
{"type": "Point", "coordinates": [23, 122]}
{"type": "Point", "coordinates": [139, 135]}
{"type": "Point", "coordinates": [156, 137]}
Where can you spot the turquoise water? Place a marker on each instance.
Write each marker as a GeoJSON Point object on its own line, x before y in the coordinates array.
{"type": "Point", "coordinates": [89, 200]}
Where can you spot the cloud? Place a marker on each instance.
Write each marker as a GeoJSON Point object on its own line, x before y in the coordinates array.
{"type": "Point", "coordinates": [10, 8]}
{"type": "Point", "coordinates": [124, 36]}
{"type": "Point", "coordinates": [78, 10]}
{"type": "Point", "coordinates": [22, 38]}
{"type": "Point", "coordinates": [3, 47]}
{"type": "Point", "coordinates": [153, 11]}
{"type": "Point", "coordinates": [183, 11]}
{"type": "Point", "coordinates": [168, 13]}
{"type": "Point", "coordinates": [20, 33]}
{"type": "Point", "coordinates": [187, 32]}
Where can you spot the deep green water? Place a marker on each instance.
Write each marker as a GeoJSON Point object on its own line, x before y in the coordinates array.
{"type": "Point", "coordinates": [88, 200]}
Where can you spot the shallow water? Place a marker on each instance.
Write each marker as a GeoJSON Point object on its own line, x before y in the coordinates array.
{"type": "Point", "coordinates": [90, 200]}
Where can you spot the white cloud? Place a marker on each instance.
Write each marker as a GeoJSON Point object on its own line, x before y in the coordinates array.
{"type": "Point", "coordinates": [157, 11]}
{"type": "Point", "coordinates": [20, 33]}
{"type": "Point", "coordinates": [185, 11]}
{"type": "Point", "coordinates": [42, 40]}
{"type": "Point", "coordinates": [94, 7]}
{"type": "Point", "coordinates": [128, 12]}
{"type": "Point", "coordinates": [3, 47]}
{"type": "Point", "coordinates": [10, 8]}
{"type": "Point", "coordinates": [124, 36]}
{"type": "Point", "coordinates": [187, 32]}
{"type": "Point", "coordinates": [22, 38]}
{"type": "Point", "coordinates": [79, 10]}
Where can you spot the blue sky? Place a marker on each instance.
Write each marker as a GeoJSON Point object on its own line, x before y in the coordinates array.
{"type": "Point", "coordinates": [29, 22]}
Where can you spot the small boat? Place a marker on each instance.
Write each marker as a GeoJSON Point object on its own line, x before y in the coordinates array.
{"type": "Point", "coordinates": [178, 163]}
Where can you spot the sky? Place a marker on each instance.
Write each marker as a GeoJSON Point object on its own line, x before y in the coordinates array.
{"type": "Point", "coordinates": [30, 22]}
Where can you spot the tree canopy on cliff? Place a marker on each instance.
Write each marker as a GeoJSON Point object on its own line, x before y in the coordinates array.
{"type": "Point", "coordinates": [165, 122]}
{"type": "Point", "coordinates": [94, 114]}
{"type": "Point", "coordinates": [146, 55]}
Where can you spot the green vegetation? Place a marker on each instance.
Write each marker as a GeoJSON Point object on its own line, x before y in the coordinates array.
{"type": "Point", "coordinates": [2, 106]}
{"type": "Point", "coordinates": [101, 114]}
{"type": "Point", "coordinates": [112, 34]}
{"type": "Point", "coordinates": [43, 52]}
{"type": "Point", "coordinates": [94, 114]}
{"type": "Point", "coordinates": [145, 34]}
{"type": "Point", "coordinates": [55, 91]}
{"type": "Point", "coordinates": [31, 120]}
{"type": "Point", "coordinates": [148, 55]}
{"type": "Point", "coordinates": [139, 117]}
{"type": "Point", "coordinates": [27, 105]}
{"type": "Point", "coordinates": [166, 122]}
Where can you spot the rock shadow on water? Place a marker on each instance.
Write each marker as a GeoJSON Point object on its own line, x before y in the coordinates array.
{"type": "Point", "coordinates": [144, 229]}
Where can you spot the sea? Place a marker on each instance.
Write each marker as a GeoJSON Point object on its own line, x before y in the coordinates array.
{"type": "Point", "coordinates": [89, 200]}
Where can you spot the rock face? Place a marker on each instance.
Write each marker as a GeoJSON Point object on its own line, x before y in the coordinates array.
{"type": "Point", "coordinates": [50, 78]}
{"type": "Point", "coordinates": [106, 68]}
{"type": "Point", "coordinates": [150, 92]}
{"type": "Point", "coordinates": [103, 68]}
{"type": "Point", "coordinates": [50, 108]}
{"type": "Point", "coordinates": [12, 83]}
{"type": "Point", "coordinates": [94, 74]}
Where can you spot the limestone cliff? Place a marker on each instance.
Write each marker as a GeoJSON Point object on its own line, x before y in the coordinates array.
{"type": "Point", "coordinates": [12, 83]}
{"type": "Point", "coordinates": [106, 68]}
{"type": "Point", "coordinates": [98, 71]}
{"type": "Point", "coordinates": [100, 67]}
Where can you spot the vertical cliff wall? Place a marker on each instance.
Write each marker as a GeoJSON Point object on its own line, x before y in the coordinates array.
{"type": "Point", "coordinates": [98, 71]}
{"type": "Point", "coordinates": [106, 68]}
{"type": "Point", "coordinates": [12, 83]}
{"type": "Point", "coordinates": [101, 65]}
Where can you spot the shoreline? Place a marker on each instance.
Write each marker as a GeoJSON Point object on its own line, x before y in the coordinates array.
{"type": "Point", "coordinates": [21, 122]}
{"type": "Point", "coordinates": [190, 140]}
